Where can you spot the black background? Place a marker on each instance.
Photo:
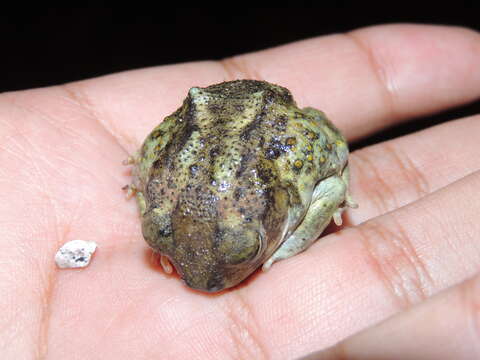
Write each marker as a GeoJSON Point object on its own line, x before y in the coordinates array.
{"type": "Point", "coordinates": [44, 46]}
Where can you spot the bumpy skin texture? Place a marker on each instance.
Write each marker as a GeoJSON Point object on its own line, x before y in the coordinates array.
{"type": "Point", "coordinates": [238, 177]}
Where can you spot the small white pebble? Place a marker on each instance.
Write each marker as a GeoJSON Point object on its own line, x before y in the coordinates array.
{"type": "Point", "coordinates": [75, 254]}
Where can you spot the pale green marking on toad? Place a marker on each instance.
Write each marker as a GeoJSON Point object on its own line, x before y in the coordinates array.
{"type": "Point", "coordinates": [237, 178]}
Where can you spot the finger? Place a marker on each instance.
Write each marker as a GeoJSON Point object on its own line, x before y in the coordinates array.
{"type": "Point", "coordinates": [364, 80]}
{"type": "Point", "coordinates": [444, 327]}
{"type": "Point", "coordinates": [357, 277]}
{"type": "Point", "coordinates": [394, 173]}
{"type": "Point", "coordinates": [376, 76]}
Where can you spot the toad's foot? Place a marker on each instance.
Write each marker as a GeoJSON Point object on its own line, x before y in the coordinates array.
{"type": "Point", "coordinates": [162, 260]}
{"type": "Point", "coordinates": [328, 202]}
{"type": "Point", "coordinates": [130, 160]}
{"type": "Point", "coordinates": [166, 264]}
{"type": "Point", "coordinates": [337, 215]}
{"type": "Point", "coordinates": [130, 190]}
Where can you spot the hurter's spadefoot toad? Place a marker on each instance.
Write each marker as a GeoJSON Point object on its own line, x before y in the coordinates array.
{"type": "Point", "coordinates": [238, 177]}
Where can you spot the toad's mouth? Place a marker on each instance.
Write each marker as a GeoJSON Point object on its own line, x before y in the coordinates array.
{"type": "Point", "coordinates": [207, 279]}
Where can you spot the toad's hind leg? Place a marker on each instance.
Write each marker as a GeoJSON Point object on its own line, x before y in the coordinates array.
{"type": "Point", "coordinates": [327, 202]}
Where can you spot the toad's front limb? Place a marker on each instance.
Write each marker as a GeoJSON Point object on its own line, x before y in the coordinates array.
{"type": "Point", "coordinates": [328, 201]}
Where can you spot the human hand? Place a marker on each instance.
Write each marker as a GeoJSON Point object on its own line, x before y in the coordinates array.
{"type": "Point", "coordinates": [414, 235]}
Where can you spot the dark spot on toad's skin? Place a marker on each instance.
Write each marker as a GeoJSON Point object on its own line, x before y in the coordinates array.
{"type": "Point", "coordinates": [311, 135]}
{"type": "Point", "coordinates": [219, 121]}
{"type": "Point", "coordinates": [261, 141]}
{"type": "Point", "coordinates": [274, 149]}
{"type": "Point", "coordinates": [165, 231]}
{"type": "Point", "coordinates": [157, 164]}
{"type": "Point", "coordinates": [171, 183]}
{"type": "Point", "coordinates": [272, 153]}
{"type": "Point", "coordinates": [266, 174]}
{"type": "Point", "coordinates": [280, 124]}
{"type": "Point", "coordinates": [193, 169]}
{"type": "Point", "coordinates": [269, 97]}
{"type": "Point", "coordinates": [214, 152]}
{"type": "Point", "coordinates": [158, 133]}
{"type": "Point", "coordinates": [238, 193]}
{"type": "Point", "coordinates": [246, 158]}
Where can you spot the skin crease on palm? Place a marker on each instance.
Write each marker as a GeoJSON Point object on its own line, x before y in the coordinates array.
{"type": "Point", "coordinates": [414, 235]}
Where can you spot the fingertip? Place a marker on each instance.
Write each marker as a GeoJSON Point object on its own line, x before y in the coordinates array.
{"type": "Point", "coordinates": [425, 68]}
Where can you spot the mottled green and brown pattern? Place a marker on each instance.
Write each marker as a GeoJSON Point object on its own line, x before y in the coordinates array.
{"type": "Point", "coordinates": [226, 179]}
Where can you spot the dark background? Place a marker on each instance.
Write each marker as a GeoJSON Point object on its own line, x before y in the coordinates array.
{"type": "Point", "coordinates": [43, 47]}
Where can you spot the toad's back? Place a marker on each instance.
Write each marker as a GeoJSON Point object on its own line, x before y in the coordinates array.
{"type": "Point", "coordinates": [230, 173]}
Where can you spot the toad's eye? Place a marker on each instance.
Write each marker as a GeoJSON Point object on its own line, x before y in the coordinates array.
{"type": "Point", "coordinates": [236, 247]}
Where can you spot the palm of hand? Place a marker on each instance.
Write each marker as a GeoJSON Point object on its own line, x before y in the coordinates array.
{"type": "Point", "coordinates": [62, 178]}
